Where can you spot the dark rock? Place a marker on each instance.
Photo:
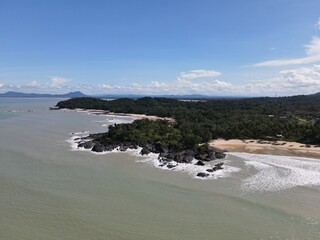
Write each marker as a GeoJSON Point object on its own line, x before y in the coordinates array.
{"type": "Point", "coordinates": [220, 155]}
{"type": "Point", "coordinates": [178, 157]}
{"type": "Point", "coordinates": [98, 148]}
{"type": "Point", "coordinates": [86, 145]}
{"type": "Point", "coordinates": [163, 154]}
{"type": "Point", "coordinates": [201, 156]}
{"type": "Point", "coordinates": [170, 156]}
{"type": "Point", "coordinates": [160, 148]}
{"type": "Point", "coordinates": [144, 151]}
{"type": "Point", "coordinates": [188, 156]}
{"type": "Point", "coordinates": [209, 170]}
{"type": "Point", "coordinates": [170, 166]}
{"type": "Point", "coordinates": [123, 148]}
{"type": "Point", "coordinates": [212, 154]}
{"type": "Point", "coordinates": [150, 147]}
{"type": "Point", "coordinates": [218, 167]}
{"type": "Point", "coordinates": [110, 147]}
{"type": "Point", "coordinates": [202, 174]}
{"type": "Point", "coordinates": [200, 163]}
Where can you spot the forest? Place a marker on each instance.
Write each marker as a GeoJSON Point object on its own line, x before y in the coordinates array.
{"type": "Point", "coordinates": [295, 118]}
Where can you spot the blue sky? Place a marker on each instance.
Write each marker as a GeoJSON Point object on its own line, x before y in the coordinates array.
{"type": "Point", "coordinates": [211, 47]}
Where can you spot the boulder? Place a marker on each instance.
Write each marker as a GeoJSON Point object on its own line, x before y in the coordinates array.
{"type": "Point", "coordinates": [201, 156]}
{"type": "Point", "coordinates": [220, 155]}
{"type": "Point", "coordinates": [86, 145]}
{"type": "Point", "coordinates": [200, 163]}
{"type": "Point", "coordinates": [171, 166]}
{"type": "Point", "coordinates": [123, 148]}
{"type": "Point", "coordinates": [202, 174]}
{"type": "Point", "coordinates": [144, 151]}
{"type": "Point", "coordinates": [209, 170]}
{"type": "Point", "coordinates": [218, 167]}
{"type": "Point", "coordinates": [188, 158]}
{"type": "Point", "coordinates": [98, 148]}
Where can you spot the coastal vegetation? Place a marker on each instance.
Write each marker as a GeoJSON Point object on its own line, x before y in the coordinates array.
{"type": "Point", "coordinates": [294, 118]}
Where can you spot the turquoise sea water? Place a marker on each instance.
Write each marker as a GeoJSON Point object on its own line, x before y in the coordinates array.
{"type": "Point", "coordinates": [48, 191]}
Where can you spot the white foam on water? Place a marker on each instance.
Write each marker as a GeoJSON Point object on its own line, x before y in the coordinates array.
{"type": "Point", "coordinates": [275, 173]}
{"type": "Point", "coordinates": [152, 159]}
{"type": "Point", "coordinates": [80, 134]}
{"type": "Point", "coordinates": [191, 168]}
{"type": "Point", "coordinates": [74, 144]}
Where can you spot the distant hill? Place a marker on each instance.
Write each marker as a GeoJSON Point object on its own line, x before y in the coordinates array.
{"type": "Point", "coordinates": [37, 95]}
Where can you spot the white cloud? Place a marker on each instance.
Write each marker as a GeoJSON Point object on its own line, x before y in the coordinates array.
{"type": "Point", "coordinates": [104, 86]}
{"type": "Point", "coordinates": [303, 80]}
{"type": "Point", "coordinates": [34, 84]}
{"type": "Point", "coordinates": [194, 74]}
{"type": "Point", "coordinates": [305, 77]}
{"type": "Point", "coordinates": [58, 81]}
{"type": "Point", "coordinates": [312, 56]}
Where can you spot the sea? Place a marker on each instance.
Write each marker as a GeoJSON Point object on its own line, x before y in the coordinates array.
{"type": "Point", "coordinates": [51, 190]}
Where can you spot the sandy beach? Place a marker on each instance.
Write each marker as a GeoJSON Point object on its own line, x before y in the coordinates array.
{"type": "Point", "coordinates": [268, 147]}
{"type": "Point", "coordinates": [140, 116]}
{"type": "Point", "coordinates": [143, 116]}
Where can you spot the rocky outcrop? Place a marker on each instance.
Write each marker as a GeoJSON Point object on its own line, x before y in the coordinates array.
{"type": "Point", "coordinates": [144, 151]}
{"type": "Point", "coordinates": [86, 145]}
{"type": "Point", "coordinates": [96, 143]}
{"type": "Point", "coordinates": [98, 148]}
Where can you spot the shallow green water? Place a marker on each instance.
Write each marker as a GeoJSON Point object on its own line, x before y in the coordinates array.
{"type": "Point", "coordinates": [49, 192]}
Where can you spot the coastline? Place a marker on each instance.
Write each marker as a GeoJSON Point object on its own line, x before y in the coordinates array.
{"type": "Point", "coordinates": [282, 148]}
{"type": "Point", "coordinates": [142, 116]}
{"type": "Point", "coordinates": [133, 115]}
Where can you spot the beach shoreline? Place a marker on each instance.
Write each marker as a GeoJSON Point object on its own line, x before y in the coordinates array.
{"type": "Point", "coordinates": [133, 115]}
{"type": "Point", "coordinates": [283, 148]}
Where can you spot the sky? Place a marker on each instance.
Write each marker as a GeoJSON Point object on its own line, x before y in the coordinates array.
{"type": "Point", "coordinates": [211, 47]}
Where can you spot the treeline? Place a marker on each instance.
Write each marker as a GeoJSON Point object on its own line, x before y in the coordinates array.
{"type": "Point", "coordinates": [146, 131]}
{"type": "Point", "coordinates": [292, 118]}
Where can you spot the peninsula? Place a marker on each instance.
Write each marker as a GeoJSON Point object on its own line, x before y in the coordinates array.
{"type": "Point", "coordinates": [196, 124]}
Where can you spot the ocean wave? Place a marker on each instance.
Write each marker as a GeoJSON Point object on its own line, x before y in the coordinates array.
{"type": "Point", "coordinates": [191, 168]}
{"type": "Point", "coordinates": [276, 173]}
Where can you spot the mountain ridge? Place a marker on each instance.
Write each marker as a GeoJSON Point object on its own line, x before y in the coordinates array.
{"type": "Point", "coordinates": [12, 94]}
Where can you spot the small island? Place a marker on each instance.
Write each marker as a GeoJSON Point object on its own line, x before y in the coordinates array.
{"type": "Point", "coordinates": [182, 130]}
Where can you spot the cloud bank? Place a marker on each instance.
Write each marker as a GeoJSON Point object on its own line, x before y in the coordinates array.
{"type": "Point", "coordinates": [303, 80]}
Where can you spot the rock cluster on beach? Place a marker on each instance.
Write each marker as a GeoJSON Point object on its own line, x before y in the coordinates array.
{"type": "Point", "coordinates": [169, 158]}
